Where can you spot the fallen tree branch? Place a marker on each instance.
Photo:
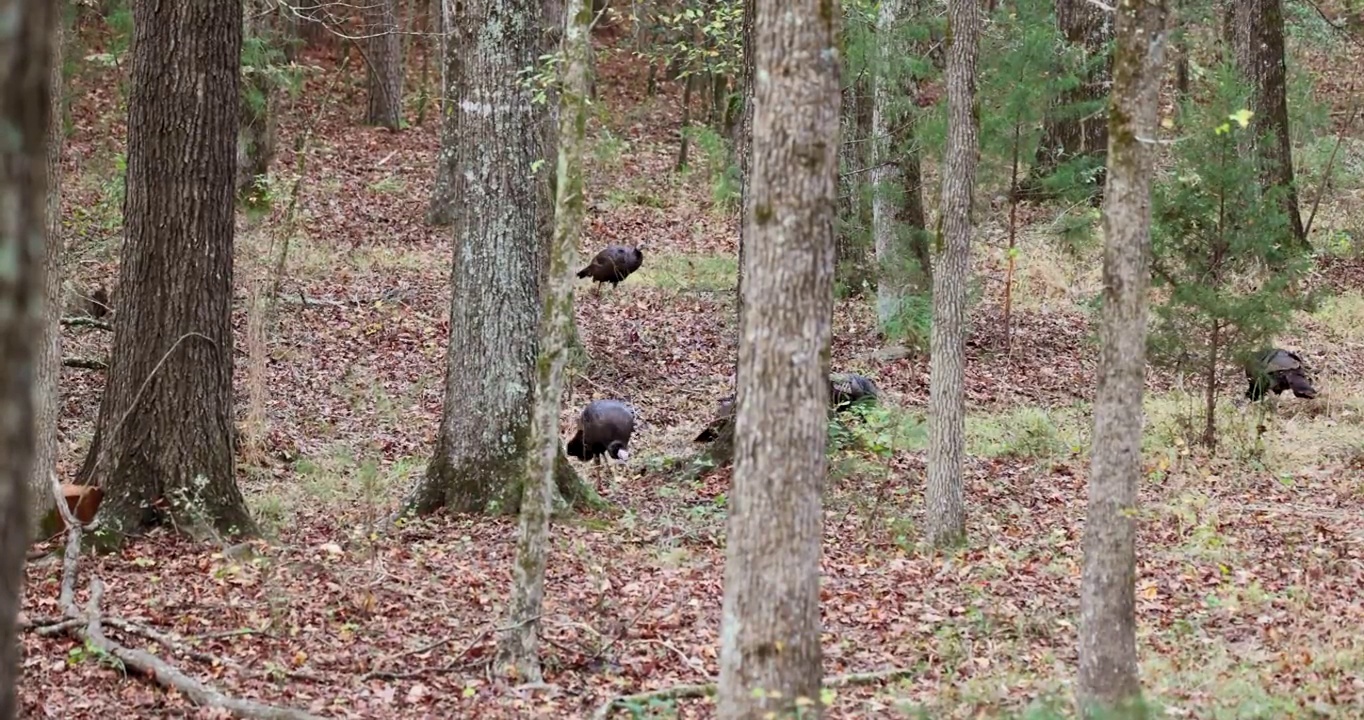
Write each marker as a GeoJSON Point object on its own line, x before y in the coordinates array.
{"type": "Point", "coordinates": [86, 321]}
{"type": "Point", "coordinates": [84, 363]}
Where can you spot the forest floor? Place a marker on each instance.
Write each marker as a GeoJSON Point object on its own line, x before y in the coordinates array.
{"type": "Point", "coordinates": [1251, 559]}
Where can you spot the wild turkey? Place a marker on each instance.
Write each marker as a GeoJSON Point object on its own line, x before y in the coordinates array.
{"type": "Point", "coordinates": [99, 304]}
{"type": "Point", "coordinates": [1277, 370]}
{"type": "Point", "coordinates": [604, 428]}
{"type": "Point", "coordinates": [722, 415]}
{"type": "Point", "coordinates": [613, 264]}
{"type": "Point", "coordinates": [848, 389]}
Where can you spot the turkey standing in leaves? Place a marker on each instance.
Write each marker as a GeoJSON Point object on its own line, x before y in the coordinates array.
{"type": "Point", "coordinates": [848, 389]}
{"type": "Point", "coordinates": [99, 303]}
{"type": "Point", "coordinates": [724, 414]}
{"type": "Point", "coordinates": [613, 264]}
{"type": "Point", "coordinates": [604, 429]}
{"type": "Point", "coordinates": [1277, 370]}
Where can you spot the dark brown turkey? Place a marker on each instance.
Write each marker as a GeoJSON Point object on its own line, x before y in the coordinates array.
{"type": "Point", "coordinates": [604, 429]}
{"type": "Point", "coordinates": [845, 390]}
{"type": "Point", "coordinates": [613, 264]}
{"type": "Point", "coordinates": [100, 303]}
{"type": "Point", "coordinates": [1276, 370]}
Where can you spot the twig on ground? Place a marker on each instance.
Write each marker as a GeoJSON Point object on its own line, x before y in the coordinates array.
{"type": "Point", "coordinates": [84, 363]}
{"type": "Point", "coordinates": [85, 321]}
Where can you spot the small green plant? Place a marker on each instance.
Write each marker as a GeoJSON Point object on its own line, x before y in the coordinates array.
{"type": "Point", "coordinates": [724, 174]}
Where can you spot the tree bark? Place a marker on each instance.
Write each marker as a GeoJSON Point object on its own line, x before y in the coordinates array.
{"type": "Point", "coordinates": [946, 513]}
{"type": "Point", "coordinates": [384, 55]}
{"type": "Point", "coordinates": [886, 212]}
{"type": "Point", "coordinates": [26, 63]}
{"type": "Point", "coordinates": [743, 145]}
{"type": "Point", "coordinates": [1108, 679]}
{"type": "Point", "coordinates": [164, 437]}
{"type": "Point", "coordinates": [770, 633]}
{"type": "Point", "coordinates": [441, 210]}
{"type": "Point", "coordinates": [258, 132]}
{"type": "Point", "coordinates": [1071, 132]}
{"type": "Point", "coordinates": [47, 380]}
{"type": "Point", "coordinates": [517, 648]}
{"type": "Point", "coordinates": [1258, 44]}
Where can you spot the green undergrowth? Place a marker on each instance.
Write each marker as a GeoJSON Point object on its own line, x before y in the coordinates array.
{"type": "Point", "coordinates": [688, 272]}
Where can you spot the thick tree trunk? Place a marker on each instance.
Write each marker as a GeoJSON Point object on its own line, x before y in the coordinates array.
{"type": "Point", "coordinates": [441, 210]}
{"type": "Point", "coordinates": [384, 53]}
{"type": "Point", "coordinates": [257, 135]}
{"type": "Point", "coordinates": [944, 501]}
{"type": "Point", "coordinates": [25, 106]}
{"type": "Point", "coordinates": [164, 438]}
{"type": "Point", "coordinates": [1071, 129]}
{"type": "Point", "coordinates": [517, 648]}
{"type": "Point", "coordinates": [770, 634]}
{"type": "Point", "coordinates": [1107, 637]}
{"type": "Point", "coordinates": [47, 380]}
{"type": "Point", "coordinates": [1257, 41]}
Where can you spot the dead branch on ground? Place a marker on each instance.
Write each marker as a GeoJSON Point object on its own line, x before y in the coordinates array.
{"type": "Point", "coordinates": [85, 321]}
{"type": "Point", "coordinates": [84, 363]}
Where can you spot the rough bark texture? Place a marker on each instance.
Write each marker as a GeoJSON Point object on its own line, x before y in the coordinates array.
{"type": "Point", "coordinates": [1069, 133]}
{"type": "Point", "coordinates": [25, 106]}
{"type": "Point", "coordinates": [853, 239]}
{"type": "Point", "coordinates": [441, 210]}
{"type": "Point", "coordinates": [384, 56]}
{"type": "Point", "coordinates": [946, 514]}
{"type": "Point", "coordinates": [500, 236]}
{"type": "Point", "coordinates": [770, 632]}
{"type": "Point", "coordinates": [518, 646]}
{"type": "Point", "coordinates": [1257, 41]}
{"type": "Point", "coordinates": [165, 428]}
{"type": "Point", "coordinates": [46, 388]}
{"type": "Point", "coordinates": [743, 145]}
{"type": "Point", "coordinates": [1107, 635]}
{"type": "Point", "coordinates": [258, 132]}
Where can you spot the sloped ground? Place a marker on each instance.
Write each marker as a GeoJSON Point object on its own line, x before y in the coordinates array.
{"type": "Point", "coordinates": [1251, 562]}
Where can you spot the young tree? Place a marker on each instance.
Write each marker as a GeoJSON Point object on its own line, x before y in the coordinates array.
{"type": "Point", "coordinates": [384, 60]}
{"type": "Point", "coordinates": [1257, 40]}
{"type": "Point", "coordinates": [262, 54]}
{"type": "Point", "coordinates": [1108, 681]}
{"type": "Point", "coordinates": [1077, 125]}
{"type": "Point", "coordinates": [48, 363]}
{"type": "Point", "coordinates": [25, 104]}
{"type": "Point", "coordinates": [770, 637]}
{"type": "Point", "coordinates": [440, 210]}
{"type": "Point", "coordinates": [517, 648]}
{"type": "Point", "coordinates": [164, 437]}
{"type": "Point", "coordinates": [946, 512]}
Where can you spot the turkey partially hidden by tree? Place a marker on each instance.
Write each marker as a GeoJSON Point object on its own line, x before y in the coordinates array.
{"type": "Point", "coordinates": [722, 415]}
{"type": "Point", "coordinates": [613, 264]}
{"type": "Point", "coordinates": [100, 303]}
{"type": "Point", "coordinates": [604, 429]}
{"type": "Point", "coordinates": [845, 390]}
{"type": "Point", "coordinates": [1277, 370]}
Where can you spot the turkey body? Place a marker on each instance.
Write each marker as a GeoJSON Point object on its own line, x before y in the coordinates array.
{"type": "Point", "coordinates": [845, 390]}
{"type": "Point", "coordinates": [1275, 371]}
{"type": "Point", "coordinates": [604, 428]}
{"type": "Point", "coordinates": [613, 264]}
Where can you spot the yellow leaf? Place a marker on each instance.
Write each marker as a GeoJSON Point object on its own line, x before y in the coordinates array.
{"type": "Point", "coordinates": [1242, 117]}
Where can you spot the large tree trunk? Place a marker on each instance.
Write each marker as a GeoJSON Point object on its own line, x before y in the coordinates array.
{"type": "Point", "coordinates": [257, 135]}
{"type": "Point", "coordinates": [48, 372]}
{"type": "Point", "coordinates": [1257, 41]}
{"type": "Point", "coordinates": [770, 634]}
{"type": "Point", "coordinates": [1108, 655]}
{"type": "Point", "coordinates": [384, 56]}
{"type": "Point", "coordinates": [25, 106]}
{"type": "Point", "coordinates": [1072, 129]}
{"type": "Point", "coordinates": [518, 646]}
{"type": "Point", "coordinates": [945, 506]}
{"type": "Point", "coordinates": [164, 438]}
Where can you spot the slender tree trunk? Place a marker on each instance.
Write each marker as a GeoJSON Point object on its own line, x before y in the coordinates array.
{"type": "Point", "coordinates": [26, 63]}
{"type": "Point", "coordinates": [257, 136]}
{"type": "Point", "coordinates": [442, 208]}
{"type": "Point", "coordinates": [47, 381]}
{"type": "Point", "coordinates": [743, 145]}
{"type": "Point", "coordinates": [946, 512]}
{"type": "Point", "coordinates": [1107, 638]}
{"type": "Point", "coordinates": [384, 51]}
{"type": "Point", "coordinates": [1072, 131]}
{"type": "Point", "coordinates": [1257, 41]}
{"type": "Point", "coordinates": [887, 177]}
{"type": "Point", "coordinates": [518, 646]}
{"type": "Point", "coordinates": [770, 633]}
{"type": "Point", "coordinates": [165, 432]}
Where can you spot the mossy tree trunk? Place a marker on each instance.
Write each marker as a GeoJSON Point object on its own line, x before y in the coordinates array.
{"type": "Point", "coordinates": [517, 648]}
{"type": "Point", "coordinates": [945, 522]}
{"type": "Point", "coordinates": [165, 428]}
{"type": "Point", "coordinates": [25, 106]}
{"type": "Point", "coordinates": [770, 632]}
{"type": "Point", "coordinates": [1108, 685]}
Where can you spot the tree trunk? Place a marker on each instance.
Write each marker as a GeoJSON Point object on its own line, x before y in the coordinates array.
{"type": "Point", "coordinates": [1107, 636]}
{"type": "Point", "coordinates": [946, 514]}
{"type": "Point", "coordinates": [853, 245]}
{"type": "Point", "coordinates": [26, 69]}
{"type": "Point", "coordinates": [47, 380]}
{"type": "Point", "coordinates": [441, 210]}
{"type": "Point", "coordinates": [165, 428]}
{"type": "Point", "coordinates": [1071, 131]}
{"type": "Point", "coordinates": [770, 634]}
{"type": "Point", "coordinates": [384, 56]}
{"type": "Point", "coordinates": [257, 135]}
{"type": "Point", "coordinates": [1257, 41]}
{"type": "Point", "coordinates": [885, 215]}
{"type": "Point", "coordinates": [517, 648]}
{"type": "Point", "coordinates": [743, 148]}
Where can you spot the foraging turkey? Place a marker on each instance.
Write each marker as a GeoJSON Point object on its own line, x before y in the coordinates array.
{"type": "Point", "coordinates": [848, 389]}
{"type": "Point", "coordinates": [100, 303]}
{"type": "Point", "coordinates": [1277, 370]}
{"type": "Point", "coordinates": [613, 264]}
{"type": "Point", "coordinates": [722, 415]}
{"type": "Point", "coordinates": [604, 428]}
